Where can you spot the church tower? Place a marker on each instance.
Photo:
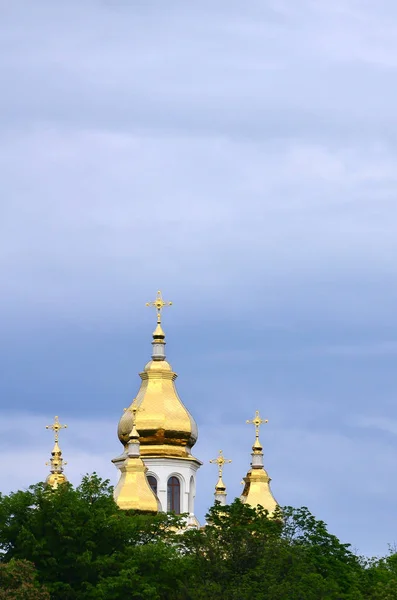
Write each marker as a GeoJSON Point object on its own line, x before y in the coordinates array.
{"type": "Point", "coordinates": [56, 463]}
{"type": "Point", "coordinates": [167, 431]}
{"type": "Point", "coordinates": [257, 481]}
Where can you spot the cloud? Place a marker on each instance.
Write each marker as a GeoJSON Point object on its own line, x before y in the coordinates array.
{"type": "Point", "coordinates": [379, 423]}
{"type": "Point", "coordinates": [116, 214]}
{"type": "Point", "coordinates": [381, 348]}
{"type": "Point", "coordinates": [243, 161]}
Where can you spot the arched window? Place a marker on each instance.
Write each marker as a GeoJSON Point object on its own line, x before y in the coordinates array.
{"type": "Point", "coordinates": [174, 495]}
{"type": "Point", "coordinates": [153, 483]}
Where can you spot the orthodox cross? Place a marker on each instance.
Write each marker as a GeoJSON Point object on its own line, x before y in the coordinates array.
{"type": "Point", "coordinates": [257, 421]}
{"type": "Point", "coordinates": [134, 408]}
{"type": "Point", "coordinates": [220, 461]}
{"type": "Point", "coordinates": [56, 427]}
{"type": "Point", "coordinates": [159, 304]}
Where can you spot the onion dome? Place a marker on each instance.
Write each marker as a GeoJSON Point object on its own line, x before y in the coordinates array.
{"type": "Point", "coordinates": [56, 462]}
{"type": "Point", "coordinates": [133, 491]}
{"type": "Point", "coordinates": [166, 428]}
{"type": "Point", "coordinates": [257, 482]}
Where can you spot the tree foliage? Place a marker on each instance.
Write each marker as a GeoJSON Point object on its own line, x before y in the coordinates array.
{"type": "Point", "coordinates": [18, 581]}
{"type": "Point", "coordinates": [78, 545]}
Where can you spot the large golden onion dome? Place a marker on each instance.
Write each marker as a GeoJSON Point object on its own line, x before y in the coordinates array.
{"type": "Point", "coordinates": [166, 428]}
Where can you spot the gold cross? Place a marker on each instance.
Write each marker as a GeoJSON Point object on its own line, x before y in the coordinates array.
{"type": "Point", "coordinates": [257, 422]}
{"type": "Point", "coordinates": [134, 408]}
{"type": "Point", "coordinates": [159, 304]}
{"type": "Point", "coordinates": [220, 461]}
{"type": "Point", "coordinates": [56, 427]}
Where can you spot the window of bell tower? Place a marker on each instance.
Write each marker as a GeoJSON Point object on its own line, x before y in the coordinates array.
{"type": "Point", "coordinates": [174, 495]}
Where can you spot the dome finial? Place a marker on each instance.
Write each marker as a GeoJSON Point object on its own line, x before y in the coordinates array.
{"type": "Point", "coordinates": [158, 333]}
{"type": "Point", "coordinates": [56, 461]}
{"type": "Point", "coordinates": [134, 435]}
{"type": "Point", "coordinates": [159, 304]}
{"type": "Point", "coordinates": [56, 427]}
{"type": "Point", "coordinates": [220, 488]}
{"type": "Point", "coordinates": [257, 421]}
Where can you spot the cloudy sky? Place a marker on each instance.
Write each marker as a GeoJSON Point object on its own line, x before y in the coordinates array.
{"type": "Point", "coordinates": [242, 158]}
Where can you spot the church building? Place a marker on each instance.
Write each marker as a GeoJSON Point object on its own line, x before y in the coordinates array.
{"type": "Point", "coordinates": [158, 433]}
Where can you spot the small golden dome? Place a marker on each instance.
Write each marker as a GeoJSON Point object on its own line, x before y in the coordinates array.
{"type": "Point", "coordinates": [133, 491]}
{"type": "Point", "coordinates": [220, 487]}
{"type": "Point", "coordinates": [158, 332]}
{"type": "Point", "coordinates": [157, 365]}
{"type": "Point", "coordinates": [55, 479]}
{"type": "Point", "coordinates": [257, 490]}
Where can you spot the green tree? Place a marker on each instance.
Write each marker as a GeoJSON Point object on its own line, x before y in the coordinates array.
{"type": "Point", "coordinates": [18, 581]}
{"type": "Point", "coordinates": [244, 554]}
{"type": "Point", "coordinates": [84, 548]}
{"type": "Point", "coordinates": [381, 578]}
{"type": "Point", "coordinates": [76, 537]}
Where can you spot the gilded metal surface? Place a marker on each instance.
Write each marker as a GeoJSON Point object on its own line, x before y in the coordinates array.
{"type": "Point", "coordinates": [163, 420]}
{"type": "Point", "coordinates": [257, 490]}
{"type": "Point", "coordinates": [257, 421]}
{"type": "Point", "coordinates": [166, 428]}
{"type": "Point", "coordinates": [56, 462]}
{"type": "Point", "coordinates": [159, 304]}
{"type": "Point", "coordinates": [133, 491]}
{"type": "Point", "coordinates": [221, 461]}
{"type": "Point", "coordinates": [55, 479]}
{"type": "Point", "coordinates": [257, 481]}
{"type": "Point", "coordinates": [56, 427]}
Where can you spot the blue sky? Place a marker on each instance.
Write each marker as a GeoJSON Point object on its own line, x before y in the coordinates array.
{"type": "Point", "coordinates": [243, 160]}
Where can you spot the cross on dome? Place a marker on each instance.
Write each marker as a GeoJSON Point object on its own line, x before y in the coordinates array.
{"type": "Point", "coordinates": [159, 304]}
{"type": "Point", "coordinates": [220, 461]}
{"type": "Point", "coordinates": [56, 427]}
{"type": "Point", "coordinates": [257, 421]}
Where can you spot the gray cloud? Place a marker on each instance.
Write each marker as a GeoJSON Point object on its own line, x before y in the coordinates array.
{"type": "Point", "coordinates": [244, 162]}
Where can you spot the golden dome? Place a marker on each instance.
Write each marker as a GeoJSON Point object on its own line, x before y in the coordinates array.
{"type": "Point", "coordinates": [157, 365]}
{"type": "Point", "coordinates": [133, 491]}
{"type": "Point", "coordinates": [166, 428]}
{"type": "Point", "coordinates": [165, 425]}
{"type": "Point", "coordinates": [55, 479]}
{"type": "Point", "coordinates": [257, 490]}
